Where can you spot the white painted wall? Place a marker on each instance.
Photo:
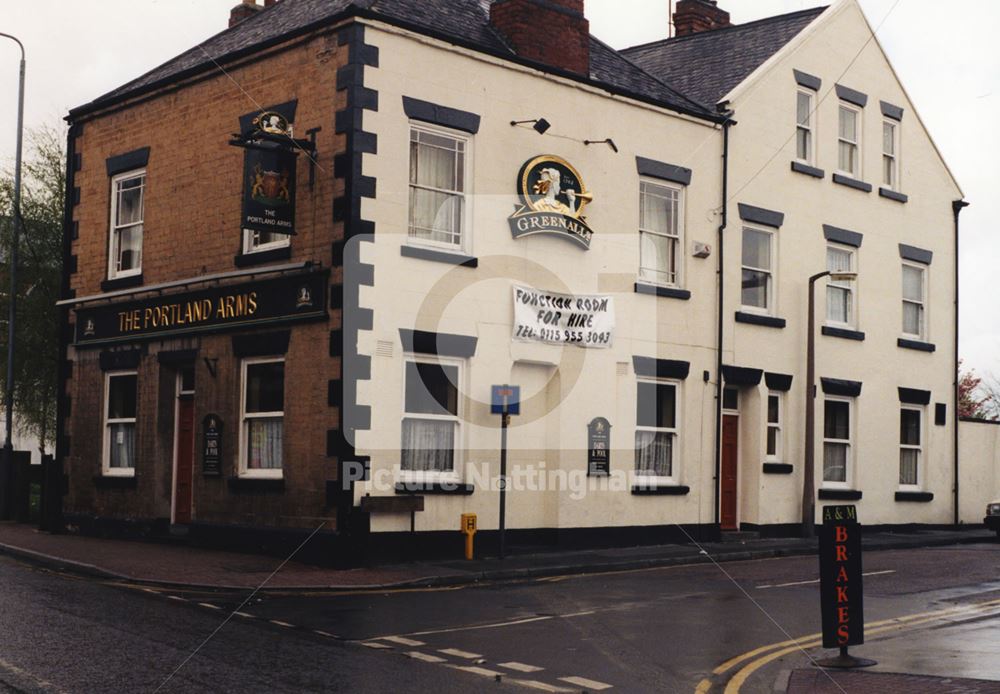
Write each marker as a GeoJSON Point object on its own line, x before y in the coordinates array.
{"type": "Point", "coordinates": [979, 461]}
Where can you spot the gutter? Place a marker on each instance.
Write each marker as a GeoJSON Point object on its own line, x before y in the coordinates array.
{"type": "Point", "coordinates": [357, 12]}
{"type": "Point", "coordinates": [726, 124]}
{"type": "Point", "coordinates": [956, 208]}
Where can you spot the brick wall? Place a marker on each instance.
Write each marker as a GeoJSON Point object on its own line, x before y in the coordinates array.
{"type": "Point", "coordinates": [192, 228]}
{"type": "Point", "coordinates": [554, 32]}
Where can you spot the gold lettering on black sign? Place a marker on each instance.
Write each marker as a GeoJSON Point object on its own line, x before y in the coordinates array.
{"type": "Point", "coordinates": [192, 312]}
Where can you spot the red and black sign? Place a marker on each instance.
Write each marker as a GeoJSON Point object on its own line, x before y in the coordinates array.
{"type": "Point", "coordinates": [841, 592]}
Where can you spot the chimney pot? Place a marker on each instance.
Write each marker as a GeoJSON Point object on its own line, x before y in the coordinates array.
{"type": "Point", "coordinates": [553, 32]}
{"type": "Point", "coordinates": [246, 9]}
{"type": "Point", "coordinates": [695, 16]}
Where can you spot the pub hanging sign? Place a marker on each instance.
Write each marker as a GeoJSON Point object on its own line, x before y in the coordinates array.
{"type": "Point", "coordinates": [269, 190]}
{"type": "Point", "coordinates": [553, 199]}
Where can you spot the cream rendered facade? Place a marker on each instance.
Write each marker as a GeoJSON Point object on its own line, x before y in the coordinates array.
{"type": "Point", "coordinates": [566, 387]}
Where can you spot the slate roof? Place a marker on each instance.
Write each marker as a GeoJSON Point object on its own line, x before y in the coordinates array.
{"type": "Point", "coordinates": [465, 22]}
{"type": "Point", "coordinates": [707, 65]}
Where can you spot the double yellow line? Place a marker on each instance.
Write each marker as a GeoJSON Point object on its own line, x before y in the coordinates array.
{"type": "Point", "coordinates": [759, 657]}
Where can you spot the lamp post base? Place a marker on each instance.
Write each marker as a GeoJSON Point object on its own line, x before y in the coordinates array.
{"type": "Point", "coordinates": [844, 661]}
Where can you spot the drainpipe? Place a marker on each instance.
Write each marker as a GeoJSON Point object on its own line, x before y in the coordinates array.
{"type": "Point", "coordinates": [718, 347]}
{"type": "Point", "coordinates": [956, 207]}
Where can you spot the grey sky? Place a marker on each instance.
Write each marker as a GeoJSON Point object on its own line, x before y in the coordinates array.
{"type": "Point", "coordinates": [943, 51]}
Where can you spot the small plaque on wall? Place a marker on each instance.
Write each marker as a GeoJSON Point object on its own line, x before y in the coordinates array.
{"type": "Point", "coordinates": [598, 447]}
{"type": "Point", "coordinates": [211, 450]}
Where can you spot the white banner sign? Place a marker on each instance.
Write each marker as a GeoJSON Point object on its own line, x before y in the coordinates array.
{"type": "Point", "coordinates": [563, 319]}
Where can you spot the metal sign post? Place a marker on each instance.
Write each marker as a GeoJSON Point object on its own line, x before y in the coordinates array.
{"type": "Point", "coordinates": [505, 400]}
{"type": "Point", "coordinates": [841, 592]}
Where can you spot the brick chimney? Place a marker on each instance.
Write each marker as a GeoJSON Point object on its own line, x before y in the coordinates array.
{"type": "Point", "coordinates": [245, 10]}
{"type": "Point", "coordinates": [694, 16]}
{"type": "Point", "coordinates": [554, 32]}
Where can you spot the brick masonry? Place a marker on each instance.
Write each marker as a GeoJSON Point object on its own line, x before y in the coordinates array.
{"type": "Point", "coordinates": [553, 32]}
{"type": "Point", "coordinates": [191, 228]}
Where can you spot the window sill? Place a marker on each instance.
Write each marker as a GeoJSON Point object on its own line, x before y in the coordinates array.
{"type": "Point", "coordinates": [852, 183]}
{"type": "Point", "coordinates": [801, 168]}
{"type": "Point", "coordinates": [257, 484]}
{"type": "Point", "coordinates": [922, 497]}
{"type": "Point", "coordinates": [448, 257]}
{"type": "Point", "coordinates": [454, 488]}
{"type": "Point", "coordinates": [916, 344]}
{"type": "Point", "coordinates": [122, 283]}
{"type": "Point", "coordinates": [757, 319]}
{"type": "Point", "coordinates": [666, 292]}
{"type": "Point", "coordinates": [840, 494]}
{"type": "Point", "coordinates": [115, 481]}
{"type": "Point", "coordinates": [654, 489]}
{"type": "Point", "coordinates": [893, 195]}
{"type": "Point", "coordinates": [844, 333]}
{"type": "Point", "coordinates": [778, 468]}
{"type": "Point", "coordinates": [262, 257]}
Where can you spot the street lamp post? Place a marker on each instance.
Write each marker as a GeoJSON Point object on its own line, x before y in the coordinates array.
{"type": "Point", "coordinates": [808, 477]}
{"type": "Point", "coordinates": [8, 447]}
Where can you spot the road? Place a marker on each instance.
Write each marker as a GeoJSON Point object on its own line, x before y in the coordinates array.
{"type": "Point", "coordinates": [727, 628]}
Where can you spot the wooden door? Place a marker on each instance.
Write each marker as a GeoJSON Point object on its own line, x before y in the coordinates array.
{"type": "Point", "coordinates": [728, 483]}
{"type": "Point", "coordinates": [184, 451]}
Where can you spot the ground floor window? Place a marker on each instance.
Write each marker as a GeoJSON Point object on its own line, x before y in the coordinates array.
{"type": "Point", "coordinates": [910, 432]}
{"type": "Point", "coordinates": [656, 429]}
{"type": "Point", "coordinates": [774, 417]}
{"type": "Point", "coordinates": [836, 441]}
{"type": "Point", "coordinates": [430, 417]}
{"type": "Point", "coordinates": [263, 414]}
{"type": "Point", "coordinates": [119, 423]}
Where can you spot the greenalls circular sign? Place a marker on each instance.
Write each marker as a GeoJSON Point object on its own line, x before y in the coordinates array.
{"type": "Point", "coordinates": [553, 199]}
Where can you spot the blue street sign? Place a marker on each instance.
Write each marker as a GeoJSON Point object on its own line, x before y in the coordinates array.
{"type": "Point", "coordinates": [505, 399]}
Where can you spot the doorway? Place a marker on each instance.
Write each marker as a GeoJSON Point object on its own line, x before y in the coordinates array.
{"type": "Point", "coordinates": [729, 483]}
{"type": "Point", "coordinates": [183, 447]}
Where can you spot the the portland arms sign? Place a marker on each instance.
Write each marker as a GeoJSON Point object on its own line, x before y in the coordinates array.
{"type": "Point", "coordinates": [285, 299]}
{"type": "Point", "coordinates": [553, 199]}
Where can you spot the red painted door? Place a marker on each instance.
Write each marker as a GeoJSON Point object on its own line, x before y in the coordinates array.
{"type": "Point", "coordinates": [728, 485]}
{"type": "Point", "coordinates": [184, 474]}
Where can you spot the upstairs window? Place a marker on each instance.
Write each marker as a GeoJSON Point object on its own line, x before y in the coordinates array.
{"type": "Point", "coordinates": [804, 126]}
{"type": "Point", "coordinates": [660, 238]}
{"type": "Point", "coordinates": [438, 187]}
{"type": "Point", "coordinates": [127, 202]}
{"type": "Point", "coordinates": [840, 296]}
{"type": "Point", "coordinates": [890, 159]}
{"type": "Point", "coordinates": [757, 277]}
{"type": "Point", "coordinates": [914, 300]}
{"type": "Point", "coordinates": [260, 241]}
{"type": "Point", "coordinates": [849, 141]}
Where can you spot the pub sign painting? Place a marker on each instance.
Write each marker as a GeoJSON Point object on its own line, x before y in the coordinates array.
{"type": "Point", "coordinates": [553, 199]}
{"type": "Point", "coordinates": [269, 189]}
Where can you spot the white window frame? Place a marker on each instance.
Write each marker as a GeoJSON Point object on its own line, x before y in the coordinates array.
{"type": "Point", "coordinates": [779, 426]}
{"type": "Point", "coordinates": [849, 458]}
{"type": "Point", "coordinates": [244, 469]}
{"type": "Point", "coordinates": [922, 336]}
{"type": "Point", "coordinates": [677, 236]}
{"type": "Point", "coordinates": [106, 468]}
{"type": "Point", "coordinates": [455, 475]}
{"type": "Point", "coordinates": [808, 127]}
{"type": "Point", "coordinates": [113, 228]}
{"type": "Point", "coordinates": [465, 244]}
{"type": "Point", "coordinates": [894, 155]}
{"type": "Point", "coordinates": [674, 476]}
{"type": "Point", "coordinates": [771, 308]}
{"type": "Point", "coordinates": [252, 245]}
{"type": "Point", "coordinates": [856, 143]}
{"type": "Point", "coordinates": [848, 285]}
{"type": "Point", "coordinates": [919, 448]}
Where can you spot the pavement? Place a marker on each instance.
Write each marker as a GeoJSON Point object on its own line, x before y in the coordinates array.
{"type": "Point", "coordinates": [170, 565]}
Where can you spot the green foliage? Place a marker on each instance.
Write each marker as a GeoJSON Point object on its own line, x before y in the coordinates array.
{"type": "Point", "coordinates": [36, 347]}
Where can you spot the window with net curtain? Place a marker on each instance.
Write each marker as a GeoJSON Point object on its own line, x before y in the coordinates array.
{"type": "Point", "coordinates": [659, 233]}
{"type": "Point", "coordinates": [126, 224]}
{"type": "Point", "coordinates": [804, 128]}
{"type": "Point", "coordinates": [839, 293]}
{"type": "Point", "coordinates": [848, 141]}
{"type": "Point", "coordinates": [263, 416]}
{"type": "Point", "coordinates": [909, 446]}
{"type": "Point", "coordinates": [836, 440]}
{"type": "Point", "coordinates": [437, 187]}
{"type": "Point", "coordinates": [757, 279]}
{"type": "Point", "coordinates": [656, 429]}
{"type": "Point", "coordinates": [913, 301]}
{"type": "Point", "coordinates": [430, 420]}
{"type": "Point", "coordinates": [120, 417]}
